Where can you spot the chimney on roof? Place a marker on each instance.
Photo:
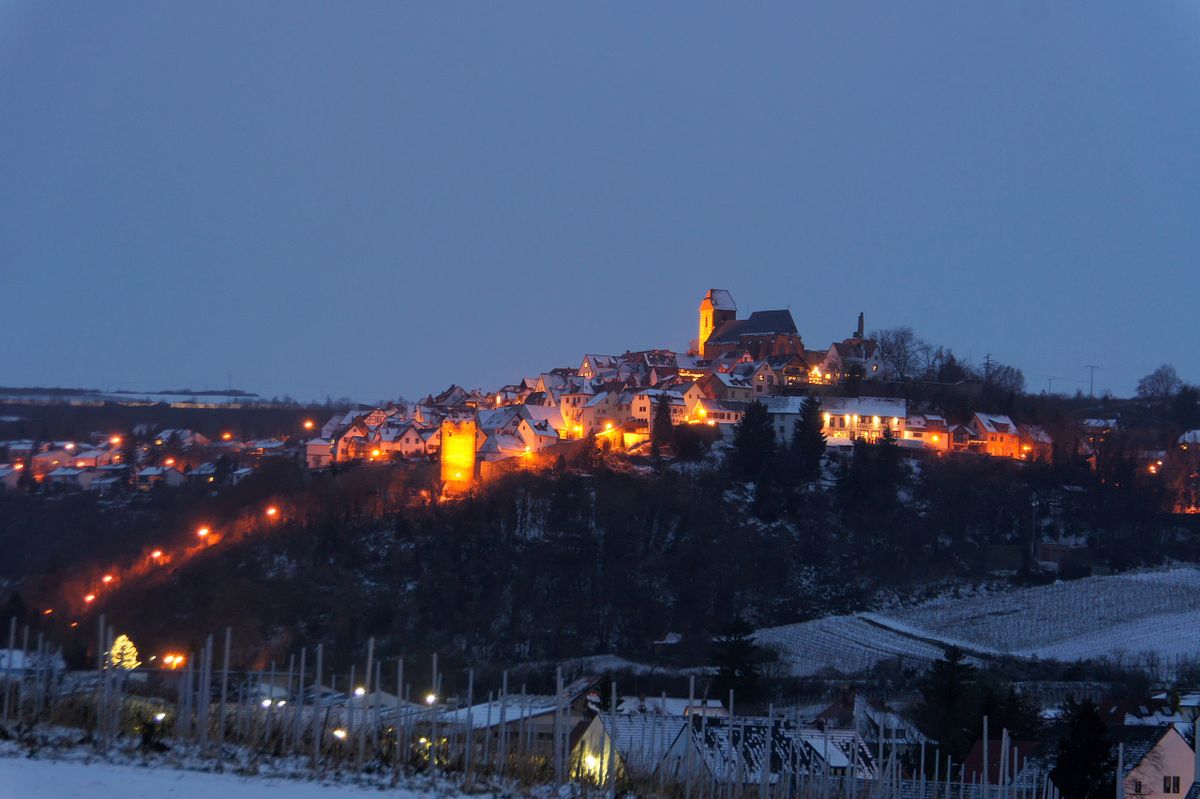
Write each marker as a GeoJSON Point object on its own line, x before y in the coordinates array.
{"type": "Point", "coordinates": [859, 334]}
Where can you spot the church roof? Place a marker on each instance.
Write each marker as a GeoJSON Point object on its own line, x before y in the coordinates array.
{"type": "Point", "coordinates": [759, 323]}
{"type": "Point", "coordinates": [721, 299]}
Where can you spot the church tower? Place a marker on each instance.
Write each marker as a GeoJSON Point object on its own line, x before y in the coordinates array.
{"type": "Point", "coordinates": [716, 309]}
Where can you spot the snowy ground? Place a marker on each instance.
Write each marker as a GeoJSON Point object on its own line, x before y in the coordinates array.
{"type": "Point", "coordinates": [21, 778]}
{"type": "Point", "coordinates": [1144, 619]}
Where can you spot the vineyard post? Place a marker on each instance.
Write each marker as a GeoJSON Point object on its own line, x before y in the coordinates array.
{"type": "Point", "coordinates": [317, 691]}
{"type": "Point", "coordinates": [298, 709]}
{"type": "Point", "coordinates": [224, 686]}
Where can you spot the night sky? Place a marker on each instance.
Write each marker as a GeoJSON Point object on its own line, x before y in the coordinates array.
{"type": "Point", "coordinates": [378, 199]}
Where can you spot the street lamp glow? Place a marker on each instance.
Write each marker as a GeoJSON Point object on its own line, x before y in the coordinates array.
{"type": "Point", "coordinates": [360, 691]}
{"type": "Point", "coordinates": [272, 512]}
{"type": "Point", "coordinates": [106, 579]}
{"type": "Point", "coordinates": [309, 424]}
{"type": "Point", "coordinates": [90, 598]}
{"type": "Point", "coordinates": [159, 716]}
{"type": "Point", "coordinates": [430, 698]}
{"type": "Point", "coordinates": [156, 554]}
{"type": "Point", "coordinates": [340, 734]}
{"type": "Point", "coordinates": [203, 531]}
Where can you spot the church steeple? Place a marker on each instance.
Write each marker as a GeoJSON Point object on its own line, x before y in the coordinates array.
{"type": "Point", "coordinates": [716, 309]}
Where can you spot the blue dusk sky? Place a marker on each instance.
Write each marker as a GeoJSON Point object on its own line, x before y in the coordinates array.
{"type": "Point", "coordinates": [378, 199]}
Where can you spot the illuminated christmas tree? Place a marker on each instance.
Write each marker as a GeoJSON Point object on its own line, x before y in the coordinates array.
{"type": "Point", "coordinates": [124, 654]}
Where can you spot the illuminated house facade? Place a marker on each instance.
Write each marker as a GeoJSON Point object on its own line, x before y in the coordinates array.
{"type": "Point", "coordinates": [844, 419]}
{"type": "Point", "coordinates": [855, 358]}
{"type": "Point", "coordinates": [996, 435]}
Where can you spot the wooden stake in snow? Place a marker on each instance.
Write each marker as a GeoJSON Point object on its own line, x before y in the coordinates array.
{"type": "Point", "coordinates": [224, 687]}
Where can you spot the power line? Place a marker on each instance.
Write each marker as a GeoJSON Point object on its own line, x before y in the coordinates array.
{"type": "Point", "coordinates": [1091, 378]}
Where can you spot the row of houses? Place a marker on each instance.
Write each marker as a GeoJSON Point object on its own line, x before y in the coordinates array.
{"type": "Point", "coordinates": [114, 478]}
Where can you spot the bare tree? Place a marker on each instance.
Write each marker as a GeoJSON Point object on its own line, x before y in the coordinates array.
{"type": "Point", "coordinates": [901, 351]}
{"type": "Point", "coordinates": [1006, 378]}
{"type": "Point", "coordinates": [1160, 384]}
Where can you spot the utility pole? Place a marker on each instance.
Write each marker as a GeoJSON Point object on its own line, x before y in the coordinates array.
{"type": "Point", "coordinates": [1091, 378]}
{"type": "Point", "coordinates": [987, 368]}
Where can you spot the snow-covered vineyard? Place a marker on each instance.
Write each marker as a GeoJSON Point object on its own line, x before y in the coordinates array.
{"type": "Point", "coordinates": [1145, 619]}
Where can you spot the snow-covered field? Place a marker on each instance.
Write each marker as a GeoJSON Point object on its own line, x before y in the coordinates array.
{"type": "Point", "coordinates": [1146, 618]}
{"type": "Point", "coordinates": [22, 778]}
{"type": "Point", "coordinates": [846, 644]}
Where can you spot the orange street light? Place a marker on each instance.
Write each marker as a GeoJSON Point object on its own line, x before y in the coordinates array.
{"type": "Point", "coordinates": [272, 512]}
{"type": "Point", "coordinates": [203, 531]}
{"type": "Point", "coordinates": [106, 579]}
{"type": "Point", "coordinates": [90, 598]}
{"type": "Point", "coordinates": [227, 436]}
{"type": "Point", "coordinates": [156, 554]}
{"type": "Point", "coordinates": [47, 611]}
{"type": "Point", "coordinates": [309, 424]}
{"type": "Point", "coordinates": [115, 441]}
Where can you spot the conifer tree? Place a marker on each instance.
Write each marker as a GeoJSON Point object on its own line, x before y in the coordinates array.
{"type": "Point", "coordinates": [946, 702]}
{"type": "Point", "coordinates": [753, 452]}
{"type": "Point", "coordinates": [808, 442]}
{"type": "Point", "coordinates": [735, 655]}
{"type": "Point", "coordinates": [660, 426]}
{"type": "Point", "coordinates": [1085, 755]}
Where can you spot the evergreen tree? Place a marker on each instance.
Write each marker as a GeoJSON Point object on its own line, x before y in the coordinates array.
{"type": "Point", "coordinates": [945, 710]}
{"type": "Point", "coordinates": [660, 426]}
{"type": "Point", "coordinates": [808, 442]}
{"type": "Point", "coordinates": [1085, 755]}
{"type": "Point", "coordinates": [753, 444]}
{"type": "Point", "coordinates": [736, 657]}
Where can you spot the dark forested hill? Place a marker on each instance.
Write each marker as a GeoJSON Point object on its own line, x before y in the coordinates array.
{"type": "Point", "coordinates": [572, 562]}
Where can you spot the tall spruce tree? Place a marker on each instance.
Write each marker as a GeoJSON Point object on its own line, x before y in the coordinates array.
{"type": "Point", "coordinates": [736, 657]}
{"type": "Point", "coordinates": [660, 426]}
{"type": "Point", "coordinates": [753, 452]}
{"type": "Point", "coordinates": [808, 442]}
{"type": "Point", "coordinates": [947, 702]}
{"type": "Point", "coordinates": [1085, 755]}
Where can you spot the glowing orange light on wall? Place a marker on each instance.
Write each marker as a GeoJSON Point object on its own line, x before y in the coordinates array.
{"type": "Point", "coordinates": [202, 532]}
{"type": "Point", "coordinates": [458, 450]}
{"type": "Point", "coordinates": [227, 436]}
{"type": "Point", "coordinates": [106, 579]}
{"type": "Point", "coordinates": [47, 611]}
{"type": "Point", "coordinates": [90, 598]}
{"type": "Point", "coordinates": [156, 554]}
{"type": "Point", "coordinates": [115, 441]}
{"type": "Point", "coordinates": [169, 462]}
{"type": "Point", "coordinates": [272, 512]}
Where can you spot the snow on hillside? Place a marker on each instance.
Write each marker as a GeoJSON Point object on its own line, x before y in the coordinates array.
{"type": "Point", "coordinates": [846, 644]}
{"type": "Point", "coordinates": [63, 779]}
{"type": "Point", "coordinates": [1032, 621]}
{"type": "Point", "coordinates": [1146, 618]}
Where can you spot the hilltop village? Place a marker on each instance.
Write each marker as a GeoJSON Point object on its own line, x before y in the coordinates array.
{"type": "Point", "coordinates": [866, 388]}
{"type": "Point", "coordinates": [611, 401]}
